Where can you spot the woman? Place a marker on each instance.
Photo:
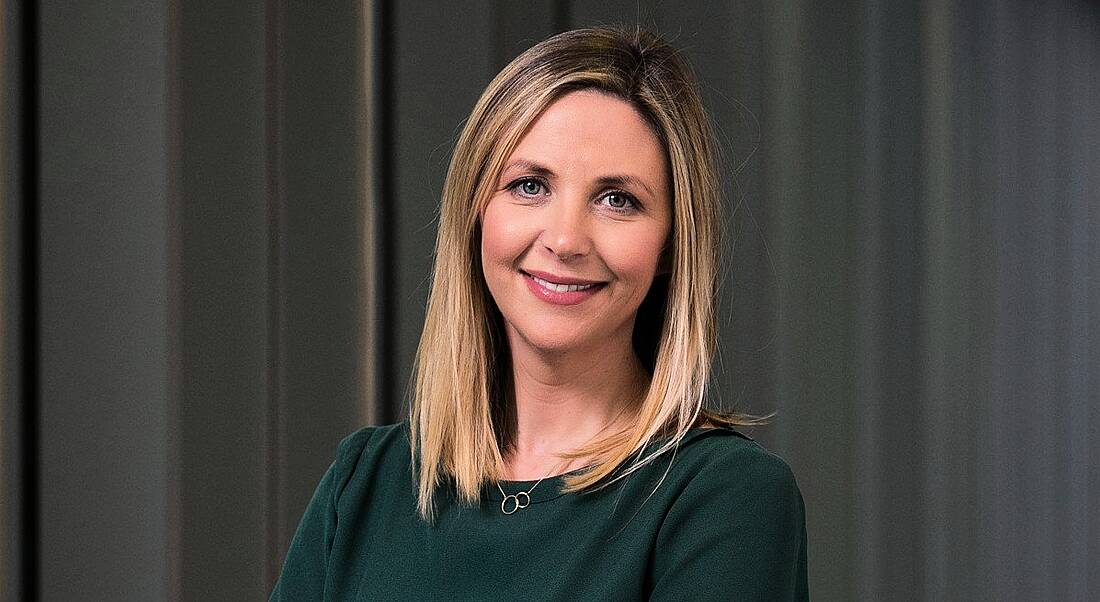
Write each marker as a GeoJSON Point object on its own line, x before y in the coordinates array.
{"type": "Point", "coordinates": [557, 446]}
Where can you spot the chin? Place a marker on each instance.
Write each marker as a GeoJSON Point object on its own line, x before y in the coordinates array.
{"type": "Point", "coordinates": [548, 339]}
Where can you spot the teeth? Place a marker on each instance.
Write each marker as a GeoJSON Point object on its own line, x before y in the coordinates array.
{"type": "Point", "coordinates": [562, 288]}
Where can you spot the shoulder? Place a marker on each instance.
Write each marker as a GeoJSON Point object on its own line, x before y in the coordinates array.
{"type": "Point", "coordinates": [729, 467]}
{"type": "Point", "coordinates": [734, 492]}
{"type": "Point", "coordinates": [370, 438]}
{"type": "Point", "coordinates": [723, 450]}
{"type": "Point", "coordinates": [736, 528]}
{"type": "Point", "coordinates": [368, 447]}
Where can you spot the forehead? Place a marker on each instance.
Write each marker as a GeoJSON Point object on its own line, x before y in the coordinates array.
{"type": "Point", "coordinates": [593, 133]}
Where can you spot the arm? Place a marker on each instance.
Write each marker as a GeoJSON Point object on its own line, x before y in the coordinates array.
{"type": "Point", "coordinates": [305, 567]}
{"type": "Point", "coordinates": [737, 532]}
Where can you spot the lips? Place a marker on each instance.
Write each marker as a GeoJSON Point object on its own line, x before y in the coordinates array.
{"type": "Point", "coordinates": [562, 288]}
{"type": "Point", "coordinates": [561, 293]}
{"type": "Point", "coordinates": [558, 279]}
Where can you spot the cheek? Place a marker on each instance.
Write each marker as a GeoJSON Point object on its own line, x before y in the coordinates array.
{"type": "Point", "coordinates": [633, 256]}
{"type": "Point", "coordinates": [502, 237]}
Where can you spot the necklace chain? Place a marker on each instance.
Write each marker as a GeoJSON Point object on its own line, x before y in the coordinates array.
{"type": "Point", "coordinates": [522, 499]}
{"type": "Point", "coordinates": [517, 503]}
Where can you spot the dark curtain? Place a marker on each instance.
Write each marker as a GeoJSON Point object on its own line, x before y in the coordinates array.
{"type": "Point", "coordinates": [218, 228]}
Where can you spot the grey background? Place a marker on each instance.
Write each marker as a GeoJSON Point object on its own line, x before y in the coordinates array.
{"type": "Point", "coordinates": [220, 264]}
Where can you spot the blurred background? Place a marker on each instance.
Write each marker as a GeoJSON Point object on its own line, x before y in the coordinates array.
{"type": "Point", "coordinates": [218, 225]}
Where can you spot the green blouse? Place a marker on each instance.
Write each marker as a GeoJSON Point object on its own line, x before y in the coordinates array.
{"type": "Point", "coordinates": [726, 523]}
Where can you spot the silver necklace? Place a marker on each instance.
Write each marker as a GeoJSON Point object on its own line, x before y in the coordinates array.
{"type": "Point", "coordinates": [522, 499]}
{"type": "Point", "coordinates": [519, 504]}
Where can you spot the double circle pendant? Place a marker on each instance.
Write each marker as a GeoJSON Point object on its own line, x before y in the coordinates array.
{"type": "Point", "coordinates": [517, 502]}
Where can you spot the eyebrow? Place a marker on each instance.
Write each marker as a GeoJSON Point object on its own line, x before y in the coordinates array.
{"type": "Point", "coordinates": [617, 180]}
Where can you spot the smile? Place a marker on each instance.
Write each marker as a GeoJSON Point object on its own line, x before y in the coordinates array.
{"type": "Point", "coordinates": [562, 288]}
{"type": "Point", "coordinates": [561, 294]}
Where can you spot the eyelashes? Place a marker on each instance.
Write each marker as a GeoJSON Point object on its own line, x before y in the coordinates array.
{"type": "Point", "coordinates": [523, 188]}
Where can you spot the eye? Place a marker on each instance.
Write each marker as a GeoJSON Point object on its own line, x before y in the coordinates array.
{"type": "Point", "coordinates": [527, 187]}
{"type": "Point", "coordinates": [621, 202]}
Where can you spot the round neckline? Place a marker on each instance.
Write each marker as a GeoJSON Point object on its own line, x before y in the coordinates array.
{"type": "Point", "coordinates": [549, 487]}
{"type": "Point", "coordinates": [557, 477]}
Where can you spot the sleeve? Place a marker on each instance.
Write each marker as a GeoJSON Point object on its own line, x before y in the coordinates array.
{"type": "Point", "coordinates": [737, 532]}
{"type": "Point", "coordinates": [305, 566]}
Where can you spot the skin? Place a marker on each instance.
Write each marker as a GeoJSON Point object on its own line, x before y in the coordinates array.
{"type": "Point", "coordinates": [575, 370]}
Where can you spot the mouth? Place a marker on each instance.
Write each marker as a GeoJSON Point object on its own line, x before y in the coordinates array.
{"type": "Point", "coordinates": [561, 293]}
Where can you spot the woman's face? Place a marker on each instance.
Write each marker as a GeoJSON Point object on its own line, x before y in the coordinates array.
{"type": "Point", "coordinates": [582, 201]}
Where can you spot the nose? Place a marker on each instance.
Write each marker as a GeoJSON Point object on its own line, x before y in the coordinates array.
{"type": "Point", "coordinates": [565, 232]}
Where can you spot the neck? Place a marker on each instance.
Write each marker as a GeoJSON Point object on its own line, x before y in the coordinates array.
{"type": "Point", "coordinates": [567, 400]}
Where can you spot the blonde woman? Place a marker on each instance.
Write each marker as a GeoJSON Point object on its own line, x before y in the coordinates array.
{"type": "Point", "coordinates": [558, 447]}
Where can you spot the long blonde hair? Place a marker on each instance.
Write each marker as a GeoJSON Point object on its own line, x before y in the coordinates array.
{"type": "Point", "coordinates": [462, 400]}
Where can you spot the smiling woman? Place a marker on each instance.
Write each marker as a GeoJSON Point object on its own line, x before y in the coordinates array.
{"type": "Point", "coordinates": [559, 444]}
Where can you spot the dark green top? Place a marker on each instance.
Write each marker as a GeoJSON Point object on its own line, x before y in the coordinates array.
{"type": "Point", "coordinates": [727, 523]}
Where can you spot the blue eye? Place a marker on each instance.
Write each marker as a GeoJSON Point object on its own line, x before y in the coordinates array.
{"type": "Point", "coordinates": [621, 201]}
{"type": "Point", "coordinates": [617, 200]}
{"type": "Point", "coordinates": [527, 186]}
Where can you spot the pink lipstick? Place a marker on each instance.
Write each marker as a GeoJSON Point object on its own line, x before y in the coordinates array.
{"type": "Point", "coordinates": [561, 290]}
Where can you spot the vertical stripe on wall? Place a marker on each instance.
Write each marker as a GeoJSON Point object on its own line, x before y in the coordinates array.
{"type": "Point", "coordinates": [937, 293]}
{"type": "Point", "coordinates": [1078, 161]}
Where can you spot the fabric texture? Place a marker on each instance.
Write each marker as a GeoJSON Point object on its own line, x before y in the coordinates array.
{"type": "Point", "coordinates": [726, 523]}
